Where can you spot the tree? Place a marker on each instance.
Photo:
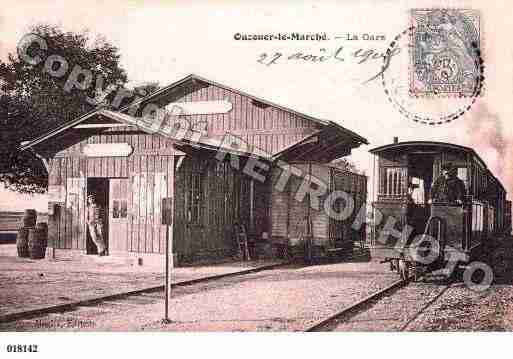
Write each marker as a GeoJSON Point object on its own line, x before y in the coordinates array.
{"type": "Point", "coordinates": [33, 99]}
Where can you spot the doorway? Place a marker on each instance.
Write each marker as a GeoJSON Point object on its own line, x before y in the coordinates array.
{"type": "Point", "coordinates": [420, 177]}
{"type": "Point", "coordinates": [99, 187]}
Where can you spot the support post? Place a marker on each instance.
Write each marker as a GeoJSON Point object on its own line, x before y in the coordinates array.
{"type": "Point", "coordinates": [167, 219]}
{"type": "Point", "coordinates": [169, 265]}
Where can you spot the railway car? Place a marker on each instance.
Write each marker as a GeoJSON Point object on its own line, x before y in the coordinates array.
{"type": "Point", "coordinates": [406, 210]}
{"type": "Point", "coordinates": [311, 233]}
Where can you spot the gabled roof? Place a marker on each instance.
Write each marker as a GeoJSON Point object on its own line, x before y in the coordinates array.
{"type": "Point", "coordinates": [202, 143]}
{"type": "Point", "coordinates": [27, 144]}
{"type": "Point", "coordinates": [355, 138]}
{"type": "Point", "coordinates": [194, 77]}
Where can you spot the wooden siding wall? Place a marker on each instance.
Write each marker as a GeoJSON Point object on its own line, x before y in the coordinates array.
{"type": "Point", "coordinates": [226, 200]}
{"type": "Point", "coordinates": [266, 127]}
{"type": "Point", "coordinates": [280, 208]}
{"type": "Point", "coordinates": [356, 186]}
{"type": "Point", "coordinates": [146, 234]}
{"type": "Point", "coordinates": [150, 170]}
{"type": "Point", "coordinates": [288, 216]}
{"type": "Point", "coordinates": [320, 219]}
{"type": "Point", "coordinates": [298, 211]}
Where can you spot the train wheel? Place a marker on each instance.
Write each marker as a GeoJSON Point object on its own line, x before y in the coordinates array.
{"type": "Point", "coordinates": [393, 267]}
{"type": "Point", "coordinates": [403, 269]}
{"type": "Point", "coordinates": [418, 271]}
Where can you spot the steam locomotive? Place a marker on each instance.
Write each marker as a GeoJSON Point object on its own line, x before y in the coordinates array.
{"type": "Point", "coordinates": [460, 229]}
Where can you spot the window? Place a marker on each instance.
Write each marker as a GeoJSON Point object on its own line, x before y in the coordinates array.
{"type": "Point", "coordinates": [463, 175]}
{"type": "Point", "coordinates": [119, 200]}
{"type": "Point", "coordinates": [416, 190]}
{"type": "Point", "coordinates": [119, 208]}
{"type": "Point", "coordinates": [491, 219]}
{"type": "Point", "coordinates": [195, 198]}
{"type": "Point", "coordinates": [394, 181]}
{"type": "Point", "coordinates": [477, 217]}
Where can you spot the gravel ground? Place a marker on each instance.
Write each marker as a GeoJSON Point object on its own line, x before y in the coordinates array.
{"type": "Point", "coordinates": [393, 312]}
{"type": "Point", "coordinates": [462, 309]}
{"type": "Point", "coordinates": [285, 299]}
{"type": "Point", "coordinates": [295, 297]}
{"type": "Point", "coordinates": [30, 284]}
{"type": "Point", "coordinates": [440, 306]}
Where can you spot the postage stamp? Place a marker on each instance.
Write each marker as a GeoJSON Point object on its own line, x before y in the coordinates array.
{"type": "Point", "coordinates": [443, 52]}
{"type": "Point", "coordinates": [428, 108]}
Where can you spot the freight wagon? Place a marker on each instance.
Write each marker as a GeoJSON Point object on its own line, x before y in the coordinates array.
{"type": "Point", "coordinates": [325, 230]}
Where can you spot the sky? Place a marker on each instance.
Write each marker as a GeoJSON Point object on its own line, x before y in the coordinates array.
{"type": "Point", "coordinates": [164, 41]}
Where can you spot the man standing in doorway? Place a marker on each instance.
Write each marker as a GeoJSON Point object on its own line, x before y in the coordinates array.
{"type": "Point", "coordinates": [95, 224]}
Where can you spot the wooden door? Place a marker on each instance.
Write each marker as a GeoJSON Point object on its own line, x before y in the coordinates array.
{"type": "Point", "coordinates": [118, 214]}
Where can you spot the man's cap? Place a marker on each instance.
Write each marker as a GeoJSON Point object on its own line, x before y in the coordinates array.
{"type": "Point", "coordinates": [91, 196]}
{"type": "Point", "coordinates": [447, 166]}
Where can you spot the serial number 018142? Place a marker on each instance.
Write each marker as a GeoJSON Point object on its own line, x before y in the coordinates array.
{"type": "Point", "coordinates": [22, 348]}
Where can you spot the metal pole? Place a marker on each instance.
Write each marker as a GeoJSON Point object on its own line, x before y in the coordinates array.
{"type": "Point", "coordinates": [168, 274]}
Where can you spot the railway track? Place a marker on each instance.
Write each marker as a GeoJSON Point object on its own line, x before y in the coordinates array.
{"type": "Point", "coordinates": [344, 316]}
{"type": "Point", "coordinates": [362, 303]}
{"type": "Point", "coordinates": [111, 304]}
{"type": "Point", "coordinates": [66, 307]}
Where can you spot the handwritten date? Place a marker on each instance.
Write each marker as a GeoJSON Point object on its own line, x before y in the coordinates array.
{"type": "Point", "coordinates": [361, 56]}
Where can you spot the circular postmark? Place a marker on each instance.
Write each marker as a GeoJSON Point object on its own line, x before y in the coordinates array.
{"type": "Point", "coordinates": [438, 105]}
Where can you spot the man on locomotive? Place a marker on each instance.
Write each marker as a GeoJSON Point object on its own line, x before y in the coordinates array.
{"type": "Point", "coordinates": [448, 187]}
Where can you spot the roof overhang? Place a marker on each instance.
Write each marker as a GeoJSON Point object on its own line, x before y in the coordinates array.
{"type": "Point", "coordinates": [331, 142]}
{"type": "Point", "coordinates": [410, 146]}
{"type": "Point", "coordinates": [183, 142]}
{"type": "Point", "coordinates": [423, 147]}
{"type": "Point", "coordinates": [28, 144]}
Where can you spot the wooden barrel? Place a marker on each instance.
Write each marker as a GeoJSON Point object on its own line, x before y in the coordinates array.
{"type": "Point", "coordinates": [29, 218]}
{"type": "Point", "coordinates": [37, 239]}
{"type": "Point", "coordinates": [22, 242]}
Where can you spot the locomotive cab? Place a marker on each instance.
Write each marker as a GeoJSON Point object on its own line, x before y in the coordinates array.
{"type": "Point", "coordinates": [407, 201]}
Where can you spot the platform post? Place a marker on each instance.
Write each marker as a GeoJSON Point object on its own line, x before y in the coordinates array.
{"type": "Point", "coordinates": [167, 210]}
{"type": "Point", "coordinates": [169, 258]}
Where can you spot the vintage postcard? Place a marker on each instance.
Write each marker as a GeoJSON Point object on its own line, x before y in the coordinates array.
{"type": "Point", "coordinates": [246, 166]}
